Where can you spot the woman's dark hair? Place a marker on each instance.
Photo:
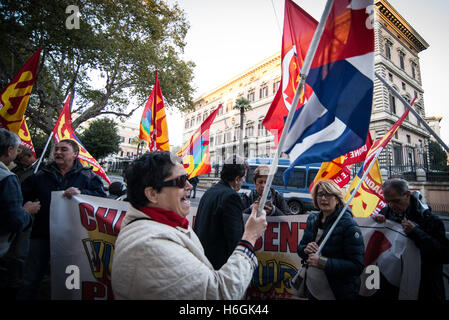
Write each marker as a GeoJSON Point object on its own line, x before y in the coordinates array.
{"type": "Point", "coordinates": [150, 170]}
{"type": "Point", "coordinates": [233, 167]}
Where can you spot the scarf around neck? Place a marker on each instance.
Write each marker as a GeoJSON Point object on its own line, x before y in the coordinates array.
{"type": "Point", "coordinates": [163, 216]}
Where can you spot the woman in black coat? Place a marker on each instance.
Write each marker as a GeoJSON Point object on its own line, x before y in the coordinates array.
{"type": "Point", "coordinates": [341, 259]}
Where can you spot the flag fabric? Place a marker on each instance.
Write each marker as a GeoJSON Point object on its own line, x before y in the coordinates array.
{"type": "Point", "coordinates": [153, 126]}
{"type": "Point", "coordinates": [14, 99]}
{"type": "Point", "coordinates": [333, 170]}
{"type": "Point", "coordinates": [336, 117]}
{"type": "Point", "coordinates": [195, 153]}
{"type": "Point", "coordinates": [25, 137]}
{"type": "Point", "coordinates": [369, 198]}
{"type": "Point", "coordinates": [338, 170]}
{"type": "Point", "coordinates": [299, 27]}
{"type": "Point", "coordinates": [380, 144]}
{"type": "Point", "coordinates": [396, 256]}
{"type": "Point", "coordinates": [64, 130]}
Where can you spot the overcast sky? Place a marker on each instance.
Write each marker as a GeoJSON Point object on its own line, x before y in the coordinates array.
{"type": "Point", "coordinates": [228, 36]}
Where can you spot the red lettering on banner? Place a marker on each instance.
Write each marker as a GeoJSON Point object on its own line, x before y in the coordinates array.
{"type": "Point", "coordinates": [105, 218]}
{"type": "Point", "coordinates": [118, 224]}
{"type": "Point", "coordinates": [302, 225]}
{"type": "Point", "coordinates": [289, 236]}
{"type": "Point", "coordinates": [270, 235]}
{"type": "Point", "coordinates": [87, 216]}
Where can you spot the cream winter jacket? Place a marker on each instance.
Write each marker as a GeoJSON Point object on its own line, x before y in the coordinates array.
{"type": "Point", "coordinates": [156, 261]}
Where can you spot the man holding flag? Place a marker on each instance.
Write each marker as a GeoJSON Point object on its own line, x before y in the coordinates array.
{"type": "Point", "coordinates": [425, 230]}
{"type": "Point", "coordinates": [65, 173]}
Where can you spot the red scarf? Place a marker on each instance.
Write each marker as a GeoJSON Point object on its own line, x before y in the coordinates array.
{"type": "Point", "coordinates": [169, 218]}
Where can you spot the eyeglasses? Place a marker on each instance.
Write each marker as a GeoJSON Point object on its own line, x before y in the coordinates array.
{"type": "Point", "coordinates": [179, 182]}
{"type": "Point", "coordinates": [325, 195]}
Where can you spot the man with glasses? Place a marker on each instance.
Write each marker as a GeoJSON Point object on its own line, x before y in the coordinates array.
{"type": "Point", "coordinates": [425, 230]}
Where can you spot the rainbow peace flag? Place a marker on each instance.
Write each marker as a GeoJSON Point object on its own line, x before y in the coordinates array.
{"type": "Point", "coordinates": [195, 153]}
{"type": "Point", "coordinates": [153, 126]}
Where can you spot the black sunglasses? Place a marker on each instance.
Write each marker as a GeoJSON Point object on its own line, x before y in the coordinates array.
{"type": "Point", "coordinates": [179, 182]}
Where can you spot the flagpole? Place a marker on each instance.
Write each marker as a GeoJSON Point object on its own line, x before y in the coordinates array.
{"type": "Point", "coordinates": [413, 111]}
{"type": "Point", "coordinates": [348, 202]}
{"type": "Point", "coordinates": [299, 90]}
{"type": "Point", "coordinates": [43, 152]}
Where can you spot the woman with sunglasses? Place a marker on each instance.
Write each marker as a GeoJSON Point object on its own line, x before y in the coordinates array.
{"type": "Point", "coordinates": [335, 272]}
{"type": "Point", "coordinates": [157, 254]}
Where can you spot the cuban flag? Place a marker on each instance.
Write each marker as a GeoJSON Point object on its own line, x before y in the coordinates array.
{"type": "Point", "coordinates": [336, 117]}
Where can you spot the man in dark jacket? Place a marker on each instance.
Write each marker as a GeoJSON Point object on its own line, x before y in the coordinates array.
{"type": "Point", "coordinates": [425, 230]}
{"type": "Point", "coordinates": [219, 221]}
{"type": "Point", "coordinates": [65, 174]}
{"type": "Point", "coordinates": [275, 204]}
{"type": "Point", "coordinates": [15, 218]}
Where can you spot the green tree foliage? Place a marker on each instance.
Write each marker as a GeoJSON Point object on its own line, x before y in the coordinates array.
{"type": "Point", "coordinates": [438, 158]}
{"type": "Point", "coordinates": [109, 62]}
{"type": "Point", "coordinates": [100, 138]}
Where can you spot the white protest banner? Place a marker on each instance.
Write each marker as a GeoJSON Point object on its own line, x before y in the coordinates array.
{"type": "Point", "coordinates": [84, 228]}
{"type": "Point", "coordinates": [83, 232]}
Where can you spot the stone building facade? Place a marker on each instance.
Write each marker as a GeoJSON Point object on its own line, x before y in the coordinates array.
{"type": "Point", "coordinates": [397, 46]}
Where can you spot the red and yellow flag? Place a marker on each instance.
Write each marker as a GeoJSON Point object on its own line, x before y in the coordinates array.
{"type": "Point", "coordinates": [64, 130]}
{"type": "Point", "coordinates": [369, 198]}
{"type": "Point", "coordinates": [380, 144]}
{"type": "Point", "coordinates": [24, 135]}
{"type": "Point", "coordinates": [337, 170]}
{"type": "Point", "coordinates": [153, 126]}
{"type": "Point", "coordinates": [14, 99]}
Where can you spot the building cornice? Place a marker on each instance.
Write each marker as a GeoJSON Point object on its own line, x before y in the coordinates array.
{"type": "Point", "coordinates": [214, 94]}
{"type": "Point", "coordinates": [395, 21]}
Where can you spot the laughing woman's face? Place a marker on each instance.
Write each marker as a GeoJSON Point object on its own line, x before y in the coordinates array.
{"type": "Point", "coordinates": [175, 198]}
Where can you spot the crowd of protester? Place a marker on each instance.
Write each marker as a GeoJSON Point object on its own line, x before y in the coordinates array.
{"type": "Point", "coordinates": [158, 255]}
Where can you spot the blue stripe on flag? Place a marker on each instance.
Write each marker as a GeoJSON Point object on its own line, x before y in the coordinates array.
{"type": "Point", "coordinates": [346, 92]}
{"type": "Point", "coordinates": [342, 103]}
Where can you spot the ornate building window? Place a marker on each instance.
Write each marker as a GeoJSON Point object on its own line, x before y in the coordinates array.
{"type": "Point", "coordinates": [401, 60]}
{"type": "Point", "coordinates": [263, 92]}
{"type": "Point", "coordinates": [276, 86]}
{"type": "Point", "coordinates": [388, 45]}
{"type": "Point", "coordinates": [251, 96]}
{"type": "Point", "coordinates": [413, 66]}
{"type": "Point", "coordinates": [392, 104]}
{"type": "Point", "coordinates": [249, 130]}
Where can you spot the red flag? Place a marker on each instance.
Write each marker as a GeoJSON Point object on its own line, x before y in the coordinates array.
{"type": "Point", "coordinates": [299, 28]}
{"type": "Point", "coordinates": [14, 99]}
{"type": "Point", "coordinates": [380, 144]}
{"type": "Point", "coordinates": [64, 130]}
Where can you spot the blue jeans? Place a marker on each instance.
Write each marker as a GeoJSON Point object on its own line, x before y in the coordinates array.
{"type": "Point", "coordinates": [35, 268]}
